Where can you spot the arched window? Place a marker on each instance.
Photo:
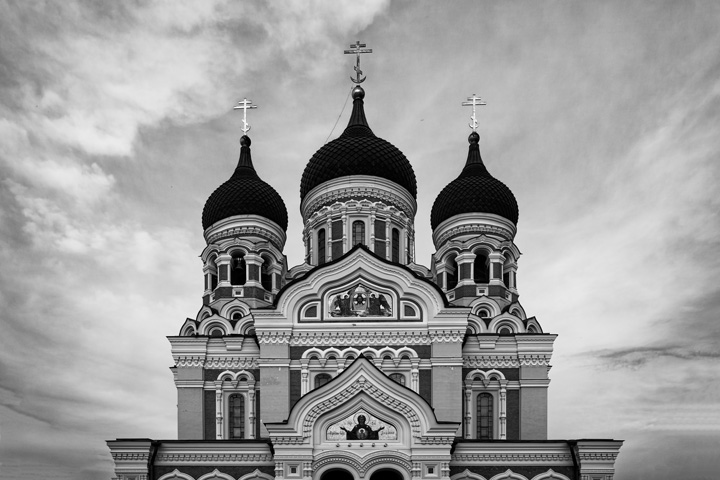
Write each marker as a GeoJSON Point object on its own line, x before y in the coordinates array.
{"type": "Point", "coordinates": [216, 332]}
{"type": "Point", "coordinates": [451, 271]}
{"type": "Point", "coordinates": [484, 417]}
{"type": "Point", "coordinates": [482, 269]}
{"type": "Point", "coordinates": [237, 315]}
{"type": "Point", "coordinates": [321, 246]}
{"type": "Point", "coordinates": [321, 379]}
{"type": "Point", "coordinates": [237, 269]}
{"type": "Point", "coordinates": [237, 415]}
{"type": "Point", "coordinates": [358, 232]}
{"type": "Point", "coordinates": [505, 330]}
{"type": "Point", "coordinates": [532, 329]}
{"type": "Point", "coordinates": [395, 245]}
{"type": "Point", "coordinates": [213, 273]}
{"type": "Point", "coordinates": [398, 378]}
{"type": "Point", "coordinates": [266, 274]}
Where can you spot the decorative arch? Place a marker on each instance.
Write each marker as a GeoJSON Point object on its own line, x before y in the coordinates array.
{"type": "Point", "coordinates": [467, 474]}
{"type": "Point", "coordinates": [506, 319]}
{"type": "Point", "coordinates": [216, 475]}
{"type": "Point", "coordinates": [225, 389]}
{"type": "Point", "coordinates": [176, 475]}
{"type": "Point", "coordinates": [550, 475]}
{"type": "Point", "coordinates": [487, 303]}
{"type": "Point", "coordinates": [508, 475]}
{"type": "Point", "coordinates": [214, 322]}
{"type": "Point", "coordinates": [340, 462]}
{"type": "Point", "coordinates": [257, 474]}
{"type": "Point", "coordinates": [493, 383]}
{"type": "Point", "coordinates": [234, 305]}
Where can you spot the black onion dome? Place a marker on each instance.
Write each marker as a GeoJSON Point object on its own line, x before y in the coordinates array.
{"type": "Point", "coordinates": [475, 190]}
{"type": "Point", "coordinates": [358, 152]}
{"type": "Point", "coordinates": [244, 194]}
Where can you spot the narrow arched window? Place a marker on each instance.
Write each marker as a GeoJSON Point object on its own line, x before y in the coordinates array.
{"type": "Point", "coordinates": [358, 232]}
{"type": "Point", "coordinates": [321, 379]}
{"type": "Point", "coordinates": [321, 246]}
{"type": "Point", "coordinates": [395, 245]}
{"type": "Point", "coordinates": [482, 270]}
{"type": "Point", "coordinates": [398, 378]}
{"type": "Point", "coordinates": [266, 274]}
{"type": "Point", "coordinates": [237, 269]}
{"type": "Point", "coordinates": [484, 417]}
{"type": "Point", "coordinates": [451, 273]}
{"type": "Point", "coordinates": [236, 414]}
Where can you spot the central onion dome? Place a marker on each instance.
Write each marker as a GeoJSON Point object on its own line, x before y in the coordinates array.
{"type": "Point", "coordinates": [244, 194]}
{"type": "Point", "coordinates": [358, 152]}
{"type": "Point", "coordinates": [475, 190]}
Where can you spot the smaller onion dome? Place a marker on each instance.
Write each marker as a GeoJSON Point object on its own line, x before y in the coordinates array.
{"type": "Point", "coordinates": [244, 194]}
{"type": "Point", "coordinates": [358, 152]}
{"type": "Point", "coordinates": [475, 190]}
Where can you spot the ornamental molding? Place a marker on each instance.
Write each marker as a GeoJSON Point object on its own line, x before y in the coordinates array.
{"type": "Point", "coordinates": [209, 457]}
{"type": "Point", "coordinates": [363, 385]}
{"type": "Point", "coordinates": [247, 231]}
{"type": "Point", "coordinates": [266, 338]}
{"type": "Point", "coordinates": [536, 360]}
{"type": "Point", "coordinates": [494, 361]}
{"type": "Point", "coordinates": [473, 229]}
{"type": "Point", "coordinates": [598, 457]}
{"type": "Point", "coordinates": [344, 338]}
{"type": "Point", "coordinates": [354, 188]}
{"type": "Point", "coordinates": [198, 361]}
{"type": "Point", "coordinates": [447, 336]}
{"type": "Point", "coordinates": [130, 457]}
{"type": "Point", "coordinates": [362, 465]}
{"type": "Point", "coordinates": [463, 458]}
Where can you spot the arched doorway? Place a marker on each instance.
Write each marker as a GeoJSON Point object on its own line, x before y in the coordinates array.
{"type": "Point", "coordinates": [337, 474]}
{"type": "Point", "coordinates": [386, 474]}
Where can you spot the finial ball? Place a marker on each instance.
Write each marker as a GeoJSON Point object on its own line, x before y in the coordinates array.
{"type": "Point", "coordinates": [474, 138]}
{"type": "Point", "coordinates": [358, 92]}
{"type": "Point", "coordinates": [245, 141]}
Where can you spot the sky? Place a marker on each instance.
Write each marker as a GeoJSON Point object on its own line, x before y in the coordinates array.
{"type": "Point", "coordinates": [116, 124]}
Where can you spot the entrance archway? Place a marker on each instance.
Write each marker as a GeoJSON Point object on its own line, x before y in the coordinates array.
{"type": "Point", "coordinates": [337, 474]}
{"type": "Point", "coordinates": [386, 474]}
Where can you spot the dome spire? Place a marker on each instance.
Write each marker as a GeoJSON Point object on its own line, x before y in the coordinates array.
{"type": "Point", "coordinates": [474, 165]}
{"type": "Point", "coordinates": [245, 166]}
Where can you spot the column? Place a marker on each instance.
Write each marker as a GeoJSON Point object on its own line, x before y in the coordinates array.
{"type": "Point", "coordinates": [251, 410]}
{"type": "Point", "coordinates": [304, 376]}
{"type": "Point", "coordinates": [503, 410]}
{"type": "Point", "coordinates": [468, 412]}
{"type": "Point", "coordinates": [218, 411]}
{"type": "Point", "coordinates": [223, 267]}
{"type": "Point", "coordinates": [252, 269]}
{"type": "Point", "coordinates": [465, 268]}
{"type": "Point", "coordinates": [415, 375]}
{"type": "Point", "coordinates": [496, 268]}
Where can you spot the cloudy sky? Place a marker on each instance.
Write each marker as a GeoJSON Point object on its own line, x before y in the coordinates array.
{"type": "Point", "coordinates": [116, 124]}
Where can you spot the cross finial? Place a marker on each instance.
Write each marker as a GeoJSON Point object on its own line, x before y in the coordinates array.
{"type": "Point", "coordinates": [357, 48]}
{"type": "Point", "coordinates": [473, 101]}
{"type": "Point", "coordinates": [244, 106]}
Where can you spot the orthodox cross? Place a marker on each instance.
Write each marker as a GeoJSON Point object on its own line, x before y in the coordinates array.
{"type": "Point", "coordinates": [244, 106]}
{"type": "Point", "coordinates": [473, 101]}
{"type": "Point", "coordinates": [357, 48]}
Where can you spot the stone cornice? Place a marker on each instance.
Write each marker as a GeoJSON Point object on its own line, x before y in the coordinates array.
{"type": "Point", "coordinates": [214, 457]}
{"type": "Point", "coordinates": [195, 361]}
{"type": "Point", "coordinates": [473, 224]}
{"type": "Point", "coordinates": [244, 226]}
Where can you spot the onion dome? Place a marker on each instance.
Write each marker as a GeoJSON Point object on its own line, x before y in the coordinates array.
{"type": "Point", "coordinates": [244, 194]}
{"type": "Point", "coordinates": [475, 190]}
{"type": "Point", "coordinates": [358, 152]}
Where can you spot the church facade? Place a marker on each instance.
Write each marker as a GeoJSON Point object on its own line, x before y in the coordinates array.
{"type": "Point", "coordinates": [361, 364]}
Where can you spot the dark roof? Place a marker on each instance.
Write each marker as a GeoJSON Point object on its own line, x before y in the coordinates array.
{"type": "Point", "coordinates": [358, 152]}
{"type": "Point", "coordinates": [475, 190]}
{"type": "Point", "coordinates": [244, 194]}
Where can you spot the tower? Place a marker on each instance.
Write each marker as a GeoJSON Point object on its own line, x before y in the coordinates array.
{"type": "Point", "coordinates": [360, 363]}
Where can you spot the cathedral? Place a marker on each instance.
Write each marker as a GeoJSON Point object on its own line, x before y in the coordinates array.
{"type": "Point", "coordinates": [360, 363]}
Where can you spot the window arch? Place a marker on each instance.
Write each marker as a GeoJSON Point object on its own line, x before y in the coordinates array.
{"type": "Point", "coordinates": [481, 268]}
{"type": "Point", "coordinates": [236, 413]}
{"type": "Point", "coordinates": [484, 418]}
{"type": "Point", "coordinates": [395, 245]}
{"type": "Point", "coordinates": [237, 269]}
{"type": "Point", "coordinates": [505, 330]}
{"type": "Point", "coordinates": [398, 378]}
{"type": "Point", "coordinates": [321, 379]}
{"type": "Point", "coordinates": [216, 332]}
{"type": "Point", "coordinates": [212, 275]}
{"type": "Point", "coordinates": [358, 232]}
{"type": "Point", "coordinates": [321, 256]}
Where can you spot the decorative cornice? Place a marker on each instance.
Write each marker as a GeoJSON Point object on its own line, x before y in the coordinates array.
{"type": "Point", "coordinates": [265, 338]}
{"type": "Point", "coordinates": [510, 458]}
{"type": "Point", "coordinates": [491, 361]}
{"type": "Point", "coordinates": [343, 338]}
{"type": "Point", "coordinates": [535, 360]}
{"type": "Point", "coordinates": [130, 457]}
{"type": "Point", "coordinates": [214, 457]}
{"type": "Point", "coordinates": [215, 362]}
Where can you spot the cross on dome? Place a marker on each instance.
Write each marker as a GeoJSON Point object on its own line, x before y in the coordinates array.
{"type": "Point", "coordinates": [244, 105]}
{"type": "Point", "coordinates": [357, 48]}
{"type": "Point", "coordinates": [473, 101]}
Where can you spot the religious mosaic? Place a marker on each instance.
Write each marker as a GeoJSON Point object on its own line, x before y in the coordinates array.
{"type": "Point", "coordinates": [361, 426]}
{"type": "Point", "coordinates": [360, 301]}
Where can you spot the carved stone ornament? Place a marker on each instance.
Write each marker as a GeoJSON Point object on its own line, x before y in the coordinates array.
{"type": "Point", "coordinates": [361, 426]}
{"type": "Point", "coordinates": [360, 301]}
